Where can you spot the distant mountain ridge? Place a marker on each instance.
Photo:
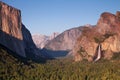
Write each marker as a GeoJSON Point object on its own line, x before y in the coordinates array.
{"type": "Point", "coordinates": [64, 42]}
{"type": "Point", "coordinates": [61, 42]}
{"type": "Point", "coordinates": [41, 40]}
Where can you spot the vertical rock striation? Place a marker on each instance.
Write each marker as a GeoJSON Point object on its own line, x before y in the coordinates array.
{"type": "Point", "coordinates": [65, 40]}
{"type": "Point", "coordinates": [10, 29]}
{"type": "Point", "coordinates": [106, 33]}
{"type": "Point", "coordinates": [13, 34]}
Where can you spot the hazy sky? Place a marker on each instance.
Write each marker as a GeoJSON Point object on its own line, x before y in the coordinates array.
{"type": "Point", "coordinates": [48, 16]}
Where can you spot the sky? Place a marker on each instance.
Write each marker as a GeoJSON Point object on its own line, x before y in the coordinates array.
{"type": "Point", "coordinates": [48, 16]}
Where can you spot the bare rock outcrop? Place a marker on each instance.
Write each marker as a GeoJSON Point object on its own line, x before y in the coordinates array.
{"type": "Point", "coordinates": [106, 33]}
{"type": "Point", "coordinates": [64, 41]}
{"type": "Point", "coordinates": [13, 34]}
{"type": "Point", "coordinates": [62, 45]}
{"type": "Point", "coordinates": [10, 29]}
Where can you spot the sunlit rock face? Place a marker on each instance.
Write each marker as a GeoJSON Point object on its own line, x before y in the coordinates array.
{"type": "Point", "coordinates": [108, 23]}
{"type": "Point", "coordinates": [65, 40]}
{"type": "Point", "coordinates": [13, 34]}
{"type": "Point", "coordinates": [62, 45]}
{"type": "Point", "coordinates": [10, 20]}
{"type": "Point", "coordinates": [111, 23]}
{"type": "Point", "coordinates": [10, 29]}
{"type": "Point", "coordinates": [106, 32]}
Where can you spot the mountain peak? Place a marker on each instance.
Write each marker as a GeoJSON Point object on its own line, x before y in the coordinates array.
{"type": "Point", "coordinates": [41, 40]}
{"type": "Point", "coordinates": [108, 22]}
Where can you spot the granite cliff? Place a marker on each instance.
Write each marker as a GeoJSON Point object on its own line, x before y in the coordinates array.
{"type": "Point", "coordinates": [65, 40]}
{"type": "Point", "coordinates": [63, 43]}
{"type": "Point", "coordinates": [106, 33]}
{"type": "Point", "coordinates": [13, 34]}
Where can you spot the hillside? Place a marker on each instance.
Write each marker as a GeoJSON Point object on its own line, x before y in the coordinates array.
{"type": "Point", "coordinates": [12, 68]}
{"type": "Point", "coordinates": [63, 43]}
{"type": "Point", "coordinates": [20, 59]}
{"type": "Point", "coordinates": [106, 33]}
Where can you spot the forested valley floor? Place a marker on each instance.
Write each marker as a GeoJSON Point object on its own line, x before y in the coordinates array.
{"type": "Point", "coordinates": [60, 69]}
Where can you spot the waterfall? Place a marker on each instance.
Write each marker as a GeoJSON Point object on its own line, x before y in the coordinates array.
{"type": "Point", "coordinates": [98, 53]}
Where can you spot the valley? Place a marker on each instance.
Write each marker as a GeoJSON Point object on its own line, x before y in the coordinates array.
{"type": "Point", "coordinates": [88, 52]}
{"type": "Point", "coordinates": [59, 69]}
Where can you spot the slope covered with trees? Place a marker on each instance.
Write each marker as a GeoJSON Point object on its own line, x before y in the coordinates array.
{"type": "Point", "coordinates": [12, 68]}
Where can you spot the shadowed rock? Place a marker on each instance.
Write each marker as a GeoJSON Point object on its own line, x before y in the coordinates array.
{"type": "Point", "coordinates": [10, 23]}
{"type": "Point", "coordinates": [14, 35]}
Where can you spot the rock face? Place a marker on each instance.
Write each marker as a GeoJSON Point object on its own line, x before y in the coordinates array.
{"type": "Point", "coordinates": [64, 41]}
{"type": "Point", "coordinates": [10, 29]}
{"type": "Point", "coordinates": [106, 33]}
{"type": "Point", "coordinates": [42, 40]}
{"type": "Point", "coordinates": [29, 47]}
{"type": "Point", "coordinates": [53, 35]}
{"type": "Point", "coordinates": [13, 34]}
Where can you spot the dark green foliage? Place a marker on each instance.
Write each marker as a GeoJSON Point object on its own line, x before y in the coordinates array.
{"type": "Point", "coordinates": [82, 52]}
{"type": "Point", "coordinates": [116, 56]}
{"type": "Point", "coordinates": [102, 38]}
{"type": "Point", "coordinates": [108, 34]}
{"type": "Point", "coordinates": [60, 69]}
{"type": "Point", "coordinates": [98, 39]}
